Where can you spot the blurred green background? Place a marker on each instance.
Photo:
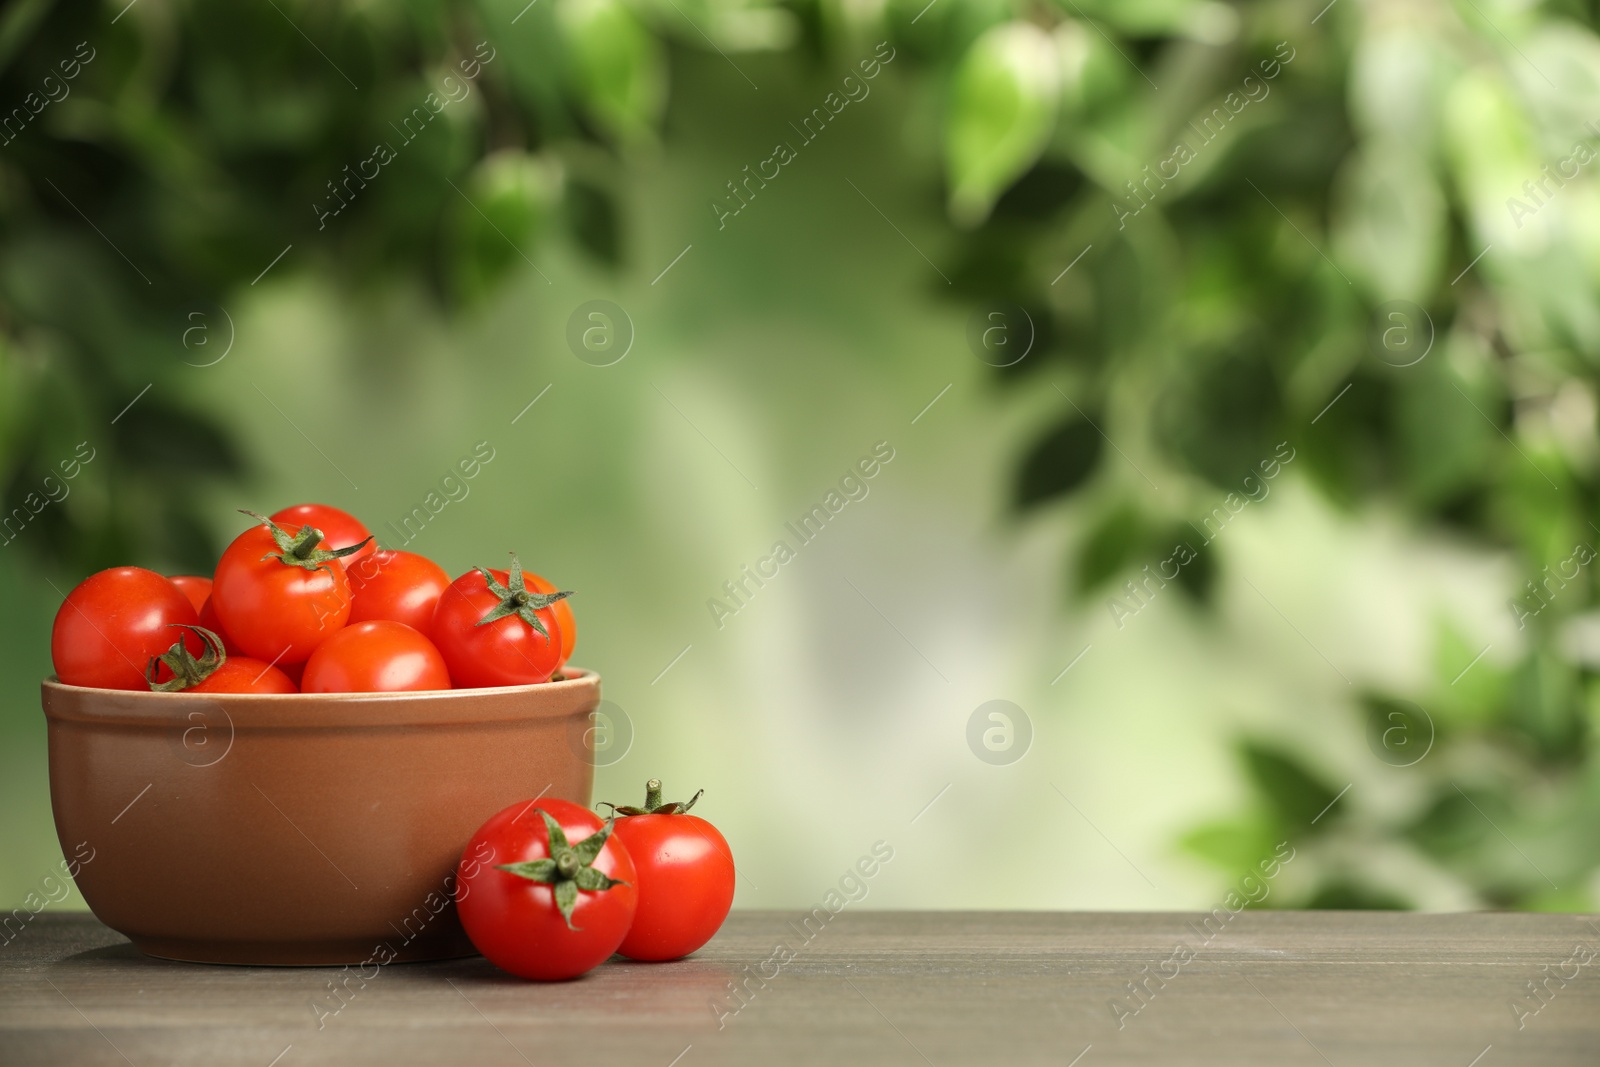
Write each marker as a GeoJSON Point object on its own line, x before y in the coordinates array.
{"type": "Point", "coordinates": [1285, 316]}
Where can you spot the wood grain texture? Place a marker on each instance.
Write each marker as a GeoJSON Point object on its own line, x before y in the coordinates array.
{"type": "Point", "coordinates": [1339, 988]}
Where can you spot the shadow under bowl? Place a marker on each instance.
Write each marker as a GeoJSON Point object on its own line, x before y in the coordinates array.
{"type": "Point", "coordinates": [304, 828]}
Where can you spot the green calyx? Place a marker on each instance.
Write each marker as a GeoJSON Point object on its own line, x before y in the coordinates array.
{"type": "Point", "coordinates": [300, 548]}
{"type": "Point", "coordinates": [516, 600]}
{"type": "Point", "coordinates": [187, 671]}
{"type": "Point", "coordinates": [569, 868]}
{"type": "Point", "coordinates": [653, 804]}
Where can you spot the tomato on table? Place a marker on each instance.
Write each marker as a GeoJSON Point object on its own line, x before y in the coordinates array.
{"type": "Point", "coordinates": [339, 528]}
{"type": "Point", "coordinates": [112, 624]}
{"type": "Point", "coordinates": [396, 586]}
{"type": "Point", "coordinates": [279, 595]}
{"type": "Point", "coordinates": [686, 875]}
{"type": "Point", "coordinates": [196, 588]}
{"type": "Point", "coordinates": [493, 631]}
{"type": "Point", "coordinates": [215, 671]}
{"type": "Point", "coordinates": [377, 656]}
{"type": "Point", "coordinates": [538, 905]}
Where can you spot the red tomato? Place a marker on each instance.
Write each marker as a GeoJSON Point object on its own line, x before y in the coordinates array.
{"type": "Point", "coordinates": [375, 657]}
{"type": "Point", "coordinates": [397, 586]}
{"type": "Point", "coordinates": [685, 872]}
{"type": "Point", "coordinates": [209, 620]}
{"type": "Point", "coordinates": [196, 588]}
{"type": "Point", "coordinates": [216, 671]}
{"type": "Point", "coordinates": [339, 528]}
{"type": "Point", "coordinates": [488, 624]}
{"type": "Point", "coordinates": [241, 674]}
{"type": "Point", "coordinates": [113, 623]}
{"type": "Point", "coordinates": [279, 595]}
{"type": "Point", "coordinates": [563, 614]}
{"type": "Point", "coordinates": [538, 906]}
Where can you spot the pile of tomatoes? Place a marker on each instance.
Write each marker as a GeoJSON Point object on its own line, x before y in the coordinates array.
{"type": "Point", "coordinates": [547, 890]}
{"type": "Point", "coordinates": [305, 601]}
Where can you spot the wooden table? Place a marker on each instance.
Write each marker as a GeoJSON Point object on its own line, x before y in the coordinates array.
{"type": "Point", "coordinates": [1341, 988]}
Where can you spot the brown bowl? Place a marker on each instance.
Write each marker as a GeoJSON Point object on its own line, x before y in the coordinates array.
{"type": "Point", "coordinates": [299, 828]}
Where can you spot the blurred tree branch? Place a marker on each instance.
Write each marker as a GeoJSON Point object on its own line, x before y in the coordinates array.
{"type": "Point", "coordinates": [1250, 193]}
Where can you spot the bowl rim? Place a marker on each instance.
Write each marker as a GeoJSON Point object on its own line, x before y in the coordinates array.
{"type": "Point", "coordinates": [578, 691]}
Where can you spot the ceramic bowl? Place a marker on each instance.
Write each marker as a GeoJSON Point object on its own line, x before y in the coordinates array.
{"type": "Point", "coordinates": [303, 828]}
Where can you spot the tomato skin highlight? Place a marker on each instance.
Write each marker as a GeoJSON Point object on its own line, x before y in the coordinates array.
{"type": "Point", "coordinates": [563, 614]}
{"type": "Point", "coordinates": [340, 529]}
{"type": "Point", "coordinates": [111, 625]}
{"type": "Point", "coordinates": [686, 883]}
{"type": "Point", "coordinates": [274, 611]}
{"type": "Point", "coordinates": [505, 652]}
{"type": "Point", "coordinates": [376, 656]}
{"type": "Point", "coordinates": [196, 588]}
{"type": "Point", "coordinates": [241, 674]}
{"type": "Point", "coordinates": [514, 922]}
{"type": "Point", "coordinates": [396, 586]}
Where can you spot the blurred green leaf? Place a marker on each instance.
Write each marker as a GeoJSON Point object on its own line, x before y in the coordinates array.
{"type": "Point", "coordinates": [1093, 74]}
{"type": "Point", "coordinates": [1488, 141]}
{"type": "Point", "coordinates": [1059, 463]}
{"type": "Point", "coordinates": [1217, 415]}
{"type": "Point", "coordinates": [1546, 706]}
{"type": "Point", "coordinates": [1471, 687]}
{"type": "Point", "coordinates": [1118, 540]}
{"type": "Point", "coordinates": [595, 220]}
{"type": "Point", "coordinates": [1003, 100]}
{"type": "Point", "coordinates": [1294, 794]}
{"type": "Point", "coordinates": [1398, 75]}
{"type": "Point", "coordinates": [508, 200]}
{"type": "Point", "coordinates": [1450, 826]}
{"type": "Point", "coordinates": [1392, 223]}
{"type": "Point", "coordinates": [1206, 21]}
{"type": "Point", "coordinates": [618, 66]}
{"type": "Point", "coordinates": [1198, 577]}
{"type": "Point", "coordinates": [1344, 895]}
{"type": "Point", "coordinates": [729, 25]}
{"type": "Point", "coordinates": [1232, 845]}
{"type": "Point", "coordinates": [1444, 443]}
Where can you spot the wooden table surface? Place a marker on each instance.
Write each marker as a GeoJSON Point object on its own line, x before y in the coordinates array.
{"type": "Point", "coordinates": [1339, 988]}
